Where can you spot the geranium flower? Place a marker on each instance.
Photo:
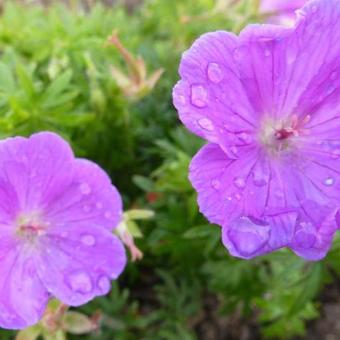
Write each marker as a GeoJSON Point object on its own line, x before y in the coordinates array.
{"type": "Point", "coordinates": [268, 103]}
{"type": "Point", "coordinates": [56, 215]}
{"type": "Point", "coordinates": [281, 11]}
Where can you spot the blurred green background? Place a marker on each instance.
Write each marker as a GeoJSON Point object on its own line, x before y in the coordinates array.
{"type": "Point", "coordinates": [55, 74]}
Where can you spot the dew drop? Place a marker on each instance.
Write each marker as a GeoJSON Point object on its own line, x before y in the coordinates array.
{"type": "Point", "coordinates": [104, 284]}
{"type": "Point", "coordinates": [305, 239]}
{"type": "Point", "coordinates": [329, 181]}
{"type": "Point", "coordinates": [99, 205]}
{"type": "Point", "coordinates": [239, 182]}
{"type": "Point", "coordinates": [238, 197]}
{"type": "Point", "coordinates": [259, 179]}
{"type": "Point", "coordinates": [88, 240]}
{"type": "Point", "coordinates": [181, 99]}
{"type": "Point", "coordinates": [232, 152]}
{"type": "Point", "coordinates": [87, 208]}
{"type": "Point", "coordinates": [85, 189]}
{"type": "Point", "coordinates": [80, 282]}
{"type": "Point", "coordinates": [64, 234]}
{"type": "Point", "coordinates": [291, 56]}
{"type": "Point", "coordinates": [215, 73]}
{"type": "Point", "coordinates": [335, 154]}
{"type": "Point", "coordinates": [108, 215]}
{"type": "Point", "coordinates": [247, 236]}
{"type": "Point", "coordinates": [241, 52]}
{"type": "Point", "coordinates": [216, 184]}
{"type": "Point", "coordinates": [267, 53]}
{"type": "Point", "coordinates": [279, 194]}
{"type": "Point", "coordinates": [206, 124]}
{"type": "Point", "coordinates": [330, 89]}
{"type": "Point", "coordinates": [244, 137]}
{"type": "Point", "coordinates": [199, 96]}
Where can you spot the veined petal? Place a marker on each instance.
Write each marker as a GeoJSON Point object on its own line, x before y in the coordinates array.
{"type": "Point", "coordinates": [89, 198]}
{"type": "Point", "coordinates": [210, 97]}
{"type": "Point", "coordinates": [79, 262]}
{"type": "Point", "coordinates": [23, 297]}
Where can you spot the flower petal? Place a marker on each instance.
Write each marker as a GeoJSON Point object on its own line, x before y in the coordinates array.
{"type": "Point", "coordinates": [79, 262]}
{"type": "Point", "coordinates": [210, 98]}
{"type": "Point", "coordinates": [284, 70]}
{"type": "Point", "coordinates": [315, 229]}
{"type": "Point", "coordinates": [89, 198]}
{"type": "Point", "coordinates": [23, 297]}
{"type": "Point", "coordinates": [34, 168]}
{"type": "Point", "coordinates": [245, 186]}
{"type": "Point", "coordinates": [246, 237]}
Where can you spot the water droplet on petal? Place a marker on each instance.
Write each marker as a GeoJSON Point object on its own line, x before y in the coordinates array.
{"type": "Point", "coordinates": [238, 197]}
{"type": "Point", "coordinates": [259, 178]}
{"type": "Point", "coordinates": [244, 137]}
{"type": "Point", "coordinates": [104, 284]}
{"type": "Point", "coordinates": [85, 189]}
{"type": "Point", "coordinates": [330, 89]}
{"type": "Point", "coordinates": [99, 205]}
{"type": "Point", "coordinates": [335, 154]}
{"type": "Point", "coordinates": [314, 9]}
{"type": "Point", "coordinates": [108, 215]}
{"type": "Point", "coordinates": [305, 239]}
{"type": "Point", "coordinates": [88, 240]}
{"type": "Point", "coordinates": [199, 96]}
{"type": "Point", "coordinates": [215, 73]}
{"type": "Point", "coordinates": [206, 124]}
{"type": "Point", "coordinates": [247, 236]}
{"type": "Point", "coordinates": [80, 282]}
{"type": "Point", "coordinates": [64, 234]}
{"type": "Point", "coordinates": [232, 152]}
{"type": "Point", "coordinates": [291, 55]}
{"type": "Point", "coordinates": [279, 194]}
{"type": "Point", "coordinates": [239, 182]}
{"type": "Point", "coordinates": [333, 75]}
{"type": "Point", "coordinates": [267, 53]}
{"type": "Point", "coordinates": [241, 52]}
{"type": "Point", "coordinates": [181, 99]}
{"type": "Point", "coordinates": [87, 208]}
{"type": "Point", "coordinates": [216, 184]}
{"type": "Point", "coordinates": [329, 181]}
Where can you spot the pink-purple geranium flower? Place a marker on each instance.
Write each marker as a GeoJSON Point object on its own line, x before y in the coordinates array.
{"type": "Point", "coordinates": [281, 11]}
{"type": "Point", "coordinates": [56, 213]}
{"type": "Point", "coordinates": [268, 103]}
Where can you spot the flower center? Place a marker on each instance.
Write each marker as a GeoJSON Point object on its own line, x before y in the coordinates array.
{"type": "Point", "coordinates": [277, 136]}
{"type": "Point", "coordinates": [30, 226]}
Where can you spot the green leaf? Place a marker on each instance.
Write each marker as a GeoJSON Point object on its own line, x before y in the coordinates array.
{"type": "Point", "coordinates": [25, 80]}
{"type": "Point", "coordinates": [77, 323]}
{"type": "Point", "coordinates": [30, 333]}
{"type": "Point", "coordinates": [7, 81]}
{"type": "Point", "coordinates": [56, 88]}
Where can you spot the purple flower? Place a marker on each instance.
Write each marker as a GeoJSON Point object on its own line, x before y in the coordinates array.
{"type": "Point", "coordinates": [281, 11]}
{"type": "Point", "coordinates": [57, 213]}
{"type": "Point", "coordinates": [268, 103]}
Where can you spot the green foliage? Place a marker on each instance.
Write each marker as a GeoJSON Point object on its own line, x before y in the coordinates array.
{"type": "Point", "coordinates": [55, 75]}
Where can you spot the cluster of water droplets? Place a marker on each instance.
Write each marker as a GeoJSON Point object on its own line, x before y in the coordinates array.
{"type": "Point", "coordinates": [82, 283]}
{"type": "Point", "coordinates": [86, 190]}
